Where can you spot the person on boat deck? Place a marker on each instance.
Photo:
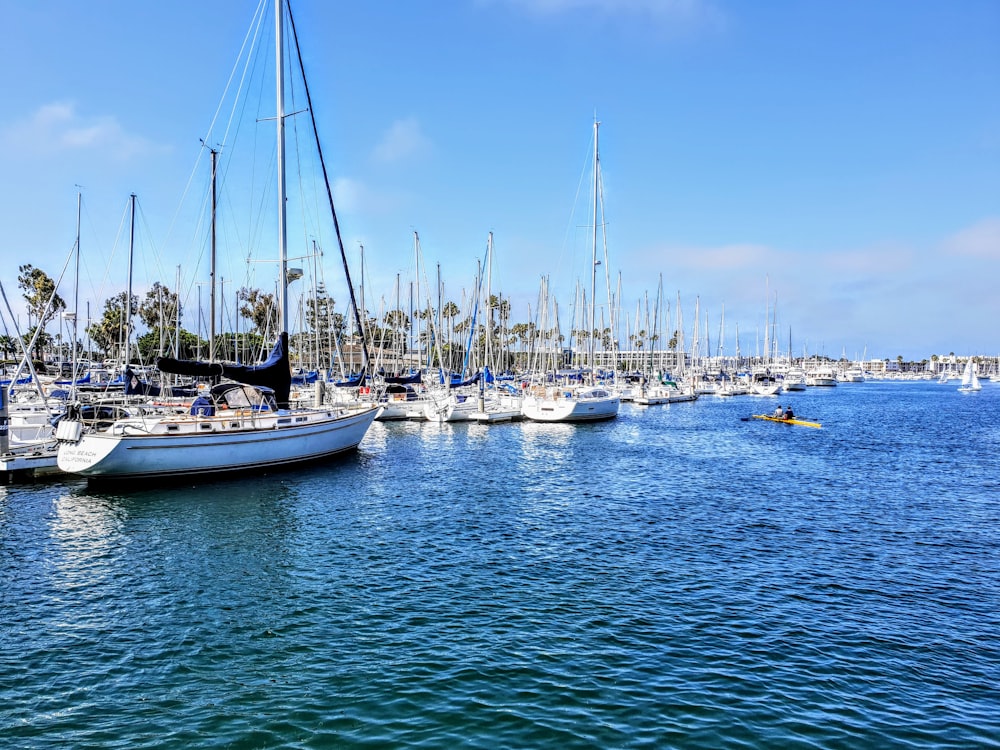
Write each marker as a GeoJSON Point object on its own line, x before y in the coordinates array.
{"type": "Point", "coordinates": [778, 413]}
{"type": "Point", "coordinates": [788, 413]}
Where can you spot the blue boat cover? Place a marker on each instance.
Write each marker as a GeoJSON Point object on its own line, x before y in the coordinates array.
{"type": "Point", "coordinates": [275, 373]}
{"type": "Point", "coordinates": [403, 379]}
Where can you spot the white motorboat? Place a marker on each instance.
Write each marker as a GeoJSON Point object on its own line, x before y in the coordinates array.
{"type": "Point", "coordinates": [665, 393]}
{"type": "Point", "coordinates": [822, 376]}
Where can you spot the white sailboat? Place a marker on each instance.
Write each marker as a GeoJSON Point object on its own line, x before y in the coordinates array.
{"type": "Point", "coordinates": [577, 403]}
{"type": "Point", "coordinates": [970, 378]}
{"type": "Point", "coordinates": [239, 425]}
{"type": "Point", "coordinates": [570, 404]}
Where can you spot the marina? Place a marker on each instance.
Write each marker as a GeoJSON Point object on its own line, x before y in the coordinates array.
{"type": "Point", "coordinates": [274, 475]}
{"type": "Point", "coordinates": [673, 577]}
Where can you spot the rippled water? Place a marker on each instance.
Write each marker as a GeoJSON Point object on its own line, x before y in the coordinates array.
{"type": "Point", "coordinates": [675, 578]}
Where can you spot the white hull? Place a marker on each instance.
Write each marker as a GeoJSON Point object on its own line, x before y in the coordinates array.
{"type": "Point", "coordinates": [395, 410]}
{"type": "Point", "coordinates": [227, 442]}
{"type": "Point", "coordinates": [794, 380]}
{"type": "Point", "coordinates": [560, 405]}
{"type": "Point", "coordinates": [656, 396]}
{"type": "Point", "coordinates": [732, 389]}
{"type": "Point", "coordinates": [451, 408]}
{"type": "Point", "coordinates": [766, 389]}
{"type": "Point", "coordinates": [821, 381]}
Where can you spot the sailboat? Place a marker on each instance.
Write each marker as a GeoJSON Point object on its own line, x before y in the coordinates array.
{"type": "Point", "coordinates": [970, 378]}
{"type": "Point", "coordinates": [585, 402]}
{"type": "Point", "coordinates": [241, 423]}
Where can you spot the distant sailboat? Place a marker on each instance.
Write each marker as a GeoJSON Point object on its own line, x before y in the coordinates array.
{"type": "Point", "coordinates": [970, 380]}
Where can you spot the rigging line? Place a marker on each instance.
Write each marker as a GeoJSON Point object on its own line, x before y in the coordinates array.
{"type": "Point", "coordinates": [329, 191]}
{"type": "Point", "coordinates": [249, 41]}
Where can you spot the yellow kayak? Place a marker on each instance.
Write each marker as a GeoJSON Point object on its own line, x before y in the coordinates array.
{"type": "Point", "coordinates": [800, 422]}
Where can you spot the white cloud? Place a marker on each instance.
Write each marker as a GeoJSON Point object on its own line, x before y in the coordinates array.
{"type": "Point", "coordinates": [57, 128]}
{"type": "Point", "coordinates": [728, 257]}
{"type": "Point", "coordinates": [349, 194]}
{"type": "Point", "coordinates": [356, 197]}
{"type": "Point", "coordinates": [877, 260]}
{"type": "Point", "coordinates": [981, 240]}
{"type": "Point", "coordinates": [403, 140]}
{"type": "Point", "coordinates": [687, 12]}
{"type": "Point", "coordinates": [734, 257]}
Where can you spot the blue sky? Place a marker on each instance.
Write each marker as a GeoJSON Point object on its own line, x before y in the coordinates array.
{"type": "Point", "coordinates": [841, 157]}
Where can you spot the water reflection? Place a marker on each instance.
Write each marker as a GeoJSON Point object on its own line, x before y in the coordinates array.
{"type": "Point", "coordinates": [198, 532]}
{"type": "Point", "coordinates": [86, 539]}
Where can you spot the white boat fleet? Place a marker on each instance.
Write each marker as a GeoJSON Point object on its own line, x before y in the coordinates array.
{"type": "Point", "coordinates": [229, 426]}
{"type": "Point", "coordinates": [186, 419]}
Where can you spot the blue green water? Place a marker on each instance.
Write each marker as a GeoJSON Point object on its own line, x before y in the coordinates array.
{"type": "Point", "coordinates": [677, 577]}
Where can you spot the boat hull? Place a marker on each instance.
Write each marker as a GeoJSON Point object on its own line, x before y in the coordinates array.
{"type": "Point", "coordinates": [657, 396]}
{"type": "Point", "coordinates": [562, 409]}
{"type": "Point", "coordinates": [108, 456]}
{"type": "Point", "coordinates": [782, 420]}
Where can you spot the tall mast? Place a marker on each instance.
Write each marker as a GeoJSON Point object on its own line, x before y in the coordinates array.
{"type": "Point", "coordinates": [177, 315]}
{"type": "Point", "coordinates": [128, 293]}
{"type": "Point", "coordinates": [282, 228]}
{"type": "Point", "coordinates": [76, 286]}
{"type": "Point", "coordinates": [767, 315]}
{"type": "Point", "coordinates": [363, 316]}
{"type": "Point", "coordinates": [490, 354]}
{"type": "Point", "coordinates": [593, 269]}
{"type": "Point", "coordinates": [211, 273]}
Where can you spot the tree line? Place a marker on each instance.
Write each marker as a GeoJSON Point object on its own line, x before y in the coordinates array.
{"type": "Point", "coordinates": [444, 337]}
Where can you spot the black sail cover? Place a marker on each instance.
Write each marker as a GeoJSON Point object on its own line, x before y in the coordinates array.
{"type": "Point", "coordinates": [275, 373]}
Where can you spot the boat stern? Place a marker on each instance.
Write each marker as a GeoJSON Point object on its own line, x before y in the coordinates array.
{"type": "Point", "coordinates": [80, 452]}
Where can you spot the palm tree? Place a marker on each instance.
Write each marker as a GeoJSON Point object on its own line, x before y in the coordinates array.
{"type": "Point", "coordinates": [7, 345]}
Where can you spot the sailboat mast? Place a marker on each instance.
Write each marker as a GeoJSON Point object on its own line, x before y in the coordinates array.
{"type": "Point", "coordinates": [76, 288]}
{"type": "Point", "coordinates": [128, 294]}
{"type": "Point", "coordinates": [211, 273]}
{"type": "Point", "coordinates": [280, 118]}
{"type": "Point", "coordinates": [177, 315]}
{"type": "Point", "coordinates": [593, 269]}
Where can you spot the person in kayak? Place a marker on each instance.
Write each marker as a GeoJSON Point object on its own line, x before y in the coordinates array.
{"type": "Point", "coordinates": [789, 414]}
{"type": "Point", "coordinates": [778, 413]}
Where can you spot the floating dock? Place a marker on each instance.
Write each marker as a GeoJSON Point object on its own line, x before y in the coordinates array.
{"type": "Point", "coordinates": [29, 463]}
{"type": "Point", "coordinates": [488, 417]}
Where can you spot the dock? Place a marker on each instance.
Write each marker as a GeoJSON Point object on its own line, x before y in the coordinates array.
{"type": "Point", "coordinates": [29, 463]}
{"type": "Point", "coordinates": [489, 417]}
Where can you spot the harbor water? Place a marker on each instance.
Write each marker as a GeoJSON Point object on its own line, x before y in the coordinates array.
{"type": "Point", "coordinates": [678, 577]}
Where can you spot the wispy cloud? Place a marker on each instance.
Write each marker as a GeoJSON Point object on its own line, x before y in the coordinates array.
{"type": "Point", "coordinates": [688, 13]}
{"type": "Point", "coordinates": [878, 260]}
{"type": "Point", "coordinates": [981, 240]}
{"type": "Point", "coordinates": [58, 127]}
{"type": "Point", "coordinates": [356, 197]}
{"type": "Point", "coordinates": [404, 140]}
{"type": "Point", "coordinates": [733, 257]}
